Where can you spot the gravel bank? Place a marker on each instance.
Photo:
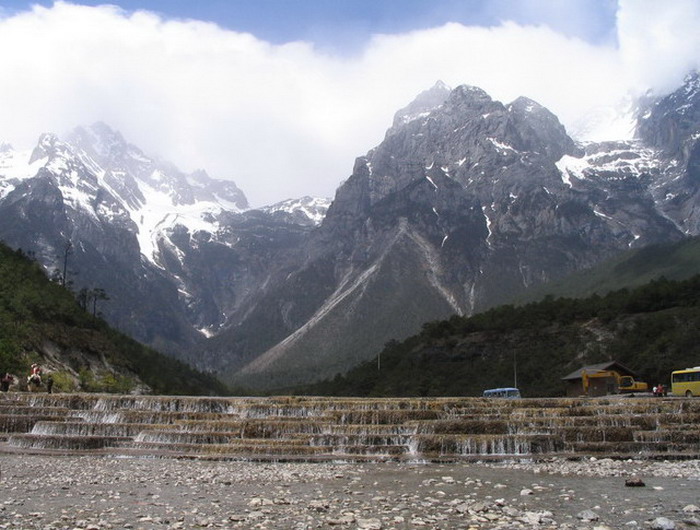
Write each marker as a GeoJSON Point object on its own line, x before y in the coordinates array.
{"type": "Point", "coordinates": [91, 493]}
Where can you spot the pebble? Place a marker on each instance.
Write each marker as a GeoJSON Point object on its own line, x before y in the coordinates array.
{"type": "Point", "coordinates": [588, 515]}
{"type": "Point", "coordinates": [369, 524]}
{"type": "Point", "coordinates": [96, 493]}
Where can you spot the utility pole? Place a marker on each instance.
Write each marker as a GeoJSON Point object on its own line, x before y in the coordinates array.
{"type": "Point", "coordinates": [515, 369]}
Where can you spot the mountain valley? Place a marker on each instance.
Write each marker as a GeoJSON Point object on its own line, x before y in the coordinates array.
{"type": "Point", "coordinates": [467, 203]}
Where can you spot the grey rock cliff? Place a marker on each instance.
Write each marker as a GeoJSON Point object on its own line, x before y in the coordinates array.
{"type": "Point", "coordinates": [465, 203]}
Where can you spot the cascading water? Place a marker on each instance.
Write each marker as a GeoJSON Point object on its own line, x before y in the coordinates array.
{"type": "Point", "coordinates": [311, 428]}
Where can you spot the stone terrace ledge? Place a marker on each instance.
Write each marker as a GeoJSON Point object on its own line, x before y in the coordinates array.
{"type": "Point", "coordinates": [349, 429]}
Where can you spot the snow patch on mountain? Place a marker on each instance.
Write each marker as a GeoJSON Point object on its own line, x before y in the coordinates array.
{"type": "Point", "coordinates": [108, 179]}
{"type": "Point", "coordinates": [312, 208]}
{"type": "Point", "coordinates": [159, 214]}
{"type": "Point", "coordinates": [612, 159]}
{"type": "Point", "coordinates": [14, 168]}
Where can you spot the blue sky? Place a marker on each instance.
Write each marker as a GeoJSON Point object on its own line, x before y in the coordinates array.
{"type": "Point", "coordinates": [343, 26]}
{"type": "Point", "coordinates": [282, 95]}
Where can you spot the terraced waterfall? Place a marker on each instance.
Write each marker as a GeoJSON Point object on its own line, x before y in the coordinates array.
{"type": "Point", "coordinates": [314, 428]}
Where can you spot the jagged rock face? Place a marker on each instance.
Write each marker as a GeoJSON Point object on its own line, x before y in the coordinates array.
{"type": "Point", "coordinates": [177, 253]}
{"type": "Point", "coordinates": [671, 123]}
{"type": "Point", "coordinates": [462, 206]}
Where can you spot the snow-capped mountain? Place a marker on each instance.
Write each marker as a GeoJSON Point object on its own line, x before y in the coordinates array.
{"type": "Point", "coordinates": [164, 244]}
{"type": "Point", "coordinates": [465, 203]}
{"type": "Point", "coordinates": [98, 173]}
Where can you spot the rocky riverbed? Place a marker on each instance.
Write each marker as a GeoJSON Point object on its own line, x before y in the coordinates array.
{"type": "Point", "coordinates": [93, 492]}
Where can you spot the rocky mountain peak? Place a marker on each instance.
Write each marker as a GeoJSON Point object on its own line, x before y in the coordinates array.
{"type": "Point", "coordinates": [469, 138]}
{"type": "Point", "coordinates": [424, 103]}
{"type": "Point", "coordinates": [691, 84]}
{"type": "Point", "coordinates": [470, 95]}
{"type": "Point", "coordinates": [672, 123]}
{"type": "Point", "coordinates": [45, 148]}
{"type": "Point", "coordinates": [524, 104]}
{"type": "Point", "coordinates": [468, 101]}
{"type": "Point", "coordinates": [540, 130]}
{"type": "Point", "coordinates": [100, 141]}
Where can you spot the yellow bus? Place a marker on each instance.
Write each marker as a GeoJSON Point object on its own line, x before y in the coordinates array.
{"type": "Point", "coordinates": [686, 382]}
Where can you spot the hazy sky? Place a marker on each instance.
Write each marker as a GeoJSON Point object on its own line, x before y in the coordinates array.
{"type": "Point", "coordinates": [282, 95]}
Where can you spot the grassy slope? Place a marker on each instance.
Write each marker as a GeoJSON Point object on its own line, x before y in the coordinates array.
{"type": "Point", "coordinates": [40, 321]}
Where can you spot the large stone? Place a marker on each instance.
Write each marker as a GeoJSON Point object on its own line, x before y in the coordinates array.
{"type": "Point", "coordinates": [663, 523]}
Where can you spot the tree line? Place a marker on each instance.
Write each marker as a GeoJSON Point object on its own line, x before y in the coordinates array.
{"type": "Point", "coordinates": [652, 329]}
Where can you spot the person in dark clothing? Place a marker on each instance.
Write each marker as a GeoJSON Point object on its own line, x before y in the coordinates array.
{"type": "Point", "coordinates": [6, 381]}
{"type": "Point", "coordinates": [49, 384]}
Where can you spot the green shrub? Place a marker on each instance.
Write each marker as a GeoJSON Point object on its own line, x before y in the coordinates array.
{"type": "Point", "coordinates": [108, 383]}
{"type": "Point", "coordinates": [63, 382]}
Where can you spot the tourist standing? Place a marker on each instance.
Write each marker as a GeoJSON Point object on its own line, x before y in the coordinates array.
{"type": "Point", "coordinates": [6, 381]}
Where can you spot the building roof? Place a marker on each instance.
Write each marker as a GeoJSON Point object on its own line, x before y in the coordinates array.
{"type": "Point", "coordinates": [592, 368]}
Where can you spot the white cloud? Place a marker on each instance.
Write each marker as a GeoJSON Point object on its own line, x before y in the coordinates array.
{"type": "Point", "coordinates": [288, 120]}
{"type": "Point", "coordinates": [659, 41]}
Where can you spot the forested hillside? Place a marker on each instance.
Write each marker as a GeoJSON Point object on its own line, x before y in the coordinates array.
{"type": "Point", "coordinates": [673, 261]}
{"type": "Point", "coordinates": [652, 329]}
{"type": "Point", "coordinates": [41, 321]}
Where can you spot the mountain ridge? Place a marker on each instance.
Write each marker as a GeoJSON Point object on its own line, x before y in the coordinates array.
{"type": "Point", "coordinates": [157, 239]}
{"type": "Point", "coordinates": [466, 202]}
{"type": "Point", "coordinates": [516, 214]}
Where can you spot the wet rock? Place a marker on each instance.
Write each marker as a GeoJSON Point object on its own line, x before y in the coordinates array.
{"type": "Point", "coordinates": [479, 506]}
{"type": "Point", "coordinates": [342, 520]}
{"type": "Point", "coordinates": [634, 482]}
{"type": "Point", "coordinates": [535, 518]}
{"type": "Point", "coordinates": [662, 523]}
{"type": "Point", "coordinates": [369, 524]}
{"type": "Point", "coordinates": [587, 516]}
{"type": "Point", "coordinates": [511, 511]}
{"type": "Point", "coordinates": [260, 501]}
{"type": "Point", "coordinates": [319, 506]}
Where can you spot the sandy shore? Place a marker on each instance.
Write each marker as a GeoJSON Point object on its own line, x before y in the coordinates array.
{"type": "Point", "coordinates": [87, 492]}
